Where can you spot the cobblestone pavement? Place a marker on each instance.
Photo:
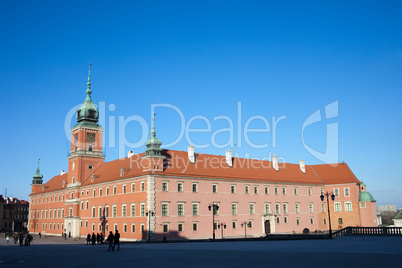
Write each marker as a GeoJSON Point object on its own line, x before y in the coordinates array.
{"type": "Point", "coordinates": [339, 252]}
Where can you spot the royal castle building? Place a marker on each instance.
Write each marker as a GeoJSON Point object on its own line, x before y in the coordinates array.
{"type": "Point", "coordinates": [184, 195]}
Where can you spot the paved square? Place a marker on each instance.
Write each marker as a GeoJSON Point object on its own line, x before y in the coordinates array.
{"type": "Point", "coordinates": [339, 252]}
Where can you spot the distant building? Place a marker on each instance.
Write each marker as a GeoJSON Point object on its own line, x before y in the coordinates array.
{"type": "Point", "coordinates": [14, 214]}
{"type": "Point", "coordinates": [185, 195]}
{"type": "Point", "coordinates": [398, 219]}
{"type": "Point", "coordinates": [386, 208]}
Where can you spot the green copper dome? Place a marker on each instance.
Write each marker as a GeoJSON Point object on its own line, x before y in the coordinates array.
{"type": "Point", "coordinates": [37, 177]}
{"type": "Point", "coordinates": [366, 196]}
{"type": "Point", "coordinates": [153, 143]}
{"type": "Point", "coordinates": [88, 113]}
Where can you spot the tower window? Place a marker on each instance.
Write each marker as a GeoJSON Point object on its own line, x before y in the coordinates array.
{"type": "Point", "coordinates": [90, 148]}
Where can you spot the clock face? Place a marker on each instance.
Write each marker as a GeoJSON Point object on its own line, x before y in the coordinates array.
{"type": "Point", "coordinates": [90, 137]}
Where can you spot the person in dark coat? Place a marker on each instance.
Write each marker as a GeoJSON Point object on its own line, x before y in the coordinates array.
{"type": "Point", "coordinates": [110, 239]}
{"type": "Point", "coordinates": [116, 240]}
{"type": "Point", "coordinates": [93, 238]}
{"type": "Point", "coordinates": [101, 238]}
{"type": "Point", "coordinates": [97, 238]}
{"type": "Point", "coordinates": [88, 239]}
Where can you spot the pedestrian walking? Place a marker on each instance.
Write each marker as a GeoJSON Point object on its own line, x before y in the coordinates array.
{"type": "Point", "coordinates": [97, 239]}
{"type": "Point", "coordinates": [101, 238]}
{"type": "Point", "coordinates": [88, 239]}
{"type": "Point", "coordinates": [15, 239]}
{"type": "Point", "coordinates": [93, 238]}
{"type": "Point", "coordinates": [21, 238]}
{"type": "Point", "coordinates": [110, 239]}
{"type": "Point", "coordinates": [116, 240]}
{"type": "Point", "coordinates": [7, 238]}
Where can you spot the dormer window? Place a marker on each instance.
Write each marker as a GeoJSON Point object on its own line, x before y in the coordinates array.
{"type": "Point", "coordinates": [91, 113]}
{"type": "Point", "coordinates": [79, 113]}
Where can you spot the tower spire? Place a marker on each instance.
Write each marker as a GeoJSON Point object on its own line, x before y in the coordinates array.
{"type": "Point", "coordinates": [89, 91]}
{"type": "Point", "coordinates": [153, 131]}
{"type": "Point", "coordinates": [37, 177]}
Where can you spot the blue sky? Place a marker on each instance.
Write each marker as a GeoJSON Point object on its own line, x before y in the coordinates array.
{"type": "Point", "coordinates": [283, 59]}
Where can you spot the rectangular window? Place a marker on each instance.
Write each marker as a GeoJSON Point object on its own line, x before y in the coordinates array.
{"type": "Point", "coordinates": [233, 189]}
{"type": "Point", "coordinates": [338, 207]}
{"type": "Point", "coordinates": [278, 220]}
{"type": "Point", "coordinates": [322, 191]}
{"type": "Point", "coordinates": [107, 227]}
{"type": "Point", "coordinates": [346, 190]}
{"type": "Point", "coordinates": [125, 227]}
{"type": "Point", "coordinates": [256, 189]}
{"type": "Point", "coordinates": [266, 190]}
{"type": "Point", "coordinates": [276, 190]}
{"type": "Point", "coordinates": [99, 227]}
{"type": "Point", "coordinates": [348, 206]}
{"type": "Point", "coordinates": [94, 193]}
{"type": "Point", "coordinates": [180, 187]}
{"type": "Point", "coordinates": [298, 221]}
{"type": "Point", "coordinates": [195, 209]}
{"type": "Point", "coordinates": [142, 208]}
{"type": "Point", "coordinates": [283, 190]}
{"type": "Point", "coordinates": [310, 207]}
{"type": "Point", "coordinates": [142, 186]}
{"type": "Point", "coordinates": [194, 187]}
{"type": "Point", "coordinates": [362, 204]}
{"type": "Point", "coordinates": [247, 189]}
{"type": "Point", "coordinates": [142, 228]}
{"type": "Point", "coordinates": [285, 208]}
{"type": "Point", "coordinates": [310, 191]}
{"type": "Point", "coordinates": [234, 224]}
{"type": "Point", "coordinates": [214, 188]}
{"type": "Point", "coordinates": [285, 219]}
{"type": "Point", "coordinates": [296, 191]}
{"type": "Point", "coordinates": [165, 228]}
{"type": "Point", "coordinates": [277, 208]}
{"type": "Point", "coordinates": [340, 221]}
{"type": "Point", "coordinates": [107, 211]}
{"type": "Point", "coordinates": [234, 209]}
{"type": "Point", "coordinates": [124, 211]}
{"type": "Point", "coordinates": [325, 221]}
{"type": "Point", "coordinates": [164, 186]}
{"type": "Point", "coordinates": [93, 212]}
{"type": "Point", "coordinates": [133, 187]}
{"type": "Point", "coordinates": [312, 220]}
{"type": "Point", "coordinates": [180, 227]}
{"type": "Point", "coordinates": [252, 209]}
{"type": "Point", "coordinates": [195, 226]}
{"type": "Point", "coordinates": [86, 224]}
{"type": "Point", "coordinates": [124, 188]}
{"type": "Point", "coordinates": [100, 192]}
{"type": "Point", "coordinates": [114, 189]}
{"type": "Point", "coordinates": [93, 226]}
{"type": "Point", "coordinates": [107, 190]}
{"type": "Point", "coordinates": [180, 209]}
{"type": "Point", "coordinates": [132, 210]}
{"type": "Point", "coordinates": [100, 211]}
{"type": "Point", "coordinates": [336, 192]}
{"type": "Point", "coordinates": [297, 207]}
{"type": "Point", "coordinates": [133, 228]}
{"type": "Point", "coordinates": [267, 208]}
{"type": "Point", "coordinates": [322, 207]}
{"type": "Point", "coordinates": [114, 211]}
{"type": "Point", "coordinates": [164, 209]}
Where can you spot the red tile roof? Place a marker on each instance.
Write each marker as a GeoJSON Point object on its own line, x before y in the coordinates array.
{"type": "Point", "coordinates": [215, 167]}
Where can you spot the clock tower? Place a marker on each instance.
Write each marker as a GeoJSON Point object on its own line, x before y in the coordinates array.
{"type": "Point", "coordinates": [86, 141]}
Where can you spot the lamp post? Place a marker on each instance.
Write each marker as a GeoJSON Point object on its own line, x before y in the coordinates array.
{"type": "Point", "coordinates": [245, 224]}
{"type": "Point", "coordinates": [103, 221]}
{"type": "Point", "coordinates": [222, 226]}
{"type": "Point", "coordinates": [329, 213]}
{"type": "Point", "coordinates": [149, 214]}
{"type": "Point", "coordinates": [214, 208]}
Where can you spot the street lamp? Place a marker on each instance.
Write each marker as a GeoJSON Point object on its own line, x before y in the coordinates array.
{"type": "Point", "coordinates": [103, 221]}
{"type": "Point", "coordinates": [222, 226]}
{"type": "Point", "coordinates": [149, 214]}
{"type": "Point", "coordinates": [245, 224]}
{"type": "Point", "coordinates": [329, 213]}
{"type": "Point", "coordinates": [214, 208]}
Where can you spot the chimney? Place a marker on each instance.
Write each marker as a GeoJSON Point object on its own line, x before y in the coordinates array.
{"type": "Point", "coordinates": [130, 154]}
{"type": "Point", "coordinates": [275, 163]}
{"type": "Point", "coordinates": [62, 172]}
{"type": "Point", "coordinates": [229, 157]}
{"type": "Point", "coordinates": [302, 166]}
{"type": "Point", "coordinates": [191, 155]}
